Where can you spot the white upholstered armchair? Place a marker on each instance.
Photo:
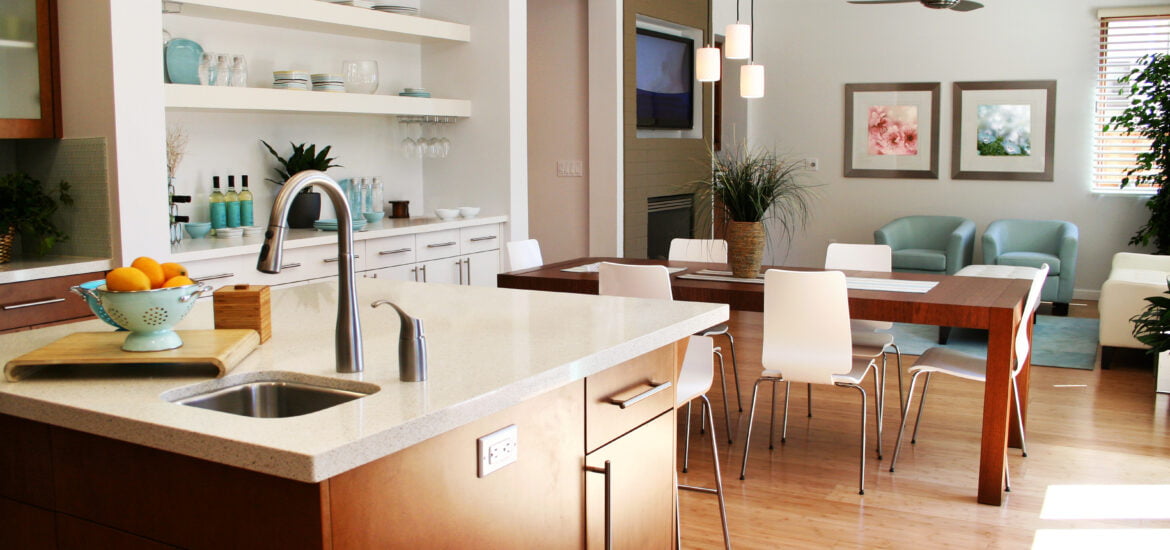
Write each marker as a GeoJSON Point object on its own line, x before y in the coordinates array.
{"type": "Point", "coordinates": [1132, 279]}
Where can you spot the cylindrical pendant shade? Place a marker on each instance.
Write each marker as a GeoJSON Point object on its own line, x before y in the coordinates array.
{"type": "Point", "coordinates": [707, 64]}
{"type": "Point", "coordinates": [751, 81]}
{"type": "Point", "coordinates": [737, 42]}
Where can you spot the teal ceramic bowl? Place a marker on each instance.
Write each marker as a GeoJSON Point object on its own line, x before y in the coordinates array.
{"type": "Point", "coordinates": [372, 217]}
{"type": "Point", "coordinates": [149, 315]}
{"type": "Point", "coordinates": [197, 230]}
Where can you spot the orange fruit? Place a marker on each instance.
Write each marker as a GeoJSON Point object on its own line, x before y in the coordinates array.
{"type": "Point", "coordinates": [178, 280]}
{"type": "Point", "coordinates": [126, 279]}
{"type": "Point", "coordinates": [152, 269]}
{"type": "Point", "coordinates": [172, 270]}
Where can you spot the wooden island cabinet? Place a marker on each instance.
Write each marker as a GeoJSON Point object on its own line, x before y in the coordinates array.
{"type": "Point", "coordinates": [61, 488]}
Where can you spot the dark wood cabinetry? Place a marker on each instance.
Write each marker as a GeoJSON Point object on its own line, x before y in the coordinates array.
{"type": "Point", "coordinates": [43, 302]}
{"type": "Point", "coordinates": [29, 70]}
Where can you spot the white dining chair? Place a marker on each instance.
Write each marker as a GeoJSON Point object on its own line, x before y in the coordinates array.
{"type": "Point", "coordinates": [694, 381]}
{"type": "Point", "coordinates": [868, 341]}
{"type": "Point", "coordinates": [710, 251]}
{"type": "Point", "coordinates": [524, 254]}
{"type": "Point", "coordinates": [961, 364]}
{"type": "Point", "coordinates": [807, 339]}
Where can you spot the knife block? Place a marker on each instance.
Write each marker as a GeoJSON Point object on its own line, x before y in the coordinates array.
{"type": "Point", "coordinates": [244, 306]}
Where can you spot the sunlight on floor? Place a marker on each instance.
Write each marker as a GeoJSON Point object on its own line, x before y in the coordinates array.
{"type": "Point", "coordinates": [1107, 502]}
{"type": "Point", "coordinates": [1072, 539]}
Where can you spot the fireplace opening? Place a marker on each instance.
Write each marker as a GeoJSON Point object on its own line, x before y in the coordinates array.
{"type": "Point", "coordinates": [668, 217]}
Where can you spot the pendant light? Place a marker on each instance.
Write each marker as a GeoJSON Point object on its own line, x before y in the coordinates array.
{"type": "Point", "coordinates": [751, 76]}
{"type": "Point", "coordinates": [737, 41]}
{"type": "Point", "coordinates": [707, 62]}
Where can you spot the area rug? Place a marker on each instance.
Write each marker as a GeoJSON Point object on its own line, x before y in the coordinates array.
{"type": "Point", "coordinates": [1068, 342]}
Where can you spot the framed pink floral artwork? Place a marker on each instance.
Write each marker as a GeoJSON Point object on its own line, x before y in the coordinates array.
{"type": "Point", "coordinates": [891, 130]}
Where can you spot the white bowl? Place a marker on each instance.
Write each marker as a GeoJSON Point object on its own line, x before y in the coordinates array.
{"type": "Point", "coordinates": [228, 232]}
{"type": "Point", "coordinates": [446, 213]}
{"type": "Point", "coordinates": [468, 211]}
{"type": "Point", "coordinates": [253, 230]}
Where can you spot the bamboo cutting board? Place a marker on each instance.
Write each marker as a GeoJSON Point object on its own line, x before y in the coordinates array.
{"type": "Point", "coordinates": [220, 349]}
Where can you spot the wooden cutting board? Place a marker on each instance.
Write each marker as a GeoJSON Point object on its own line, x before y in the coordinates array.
{"type": "Point", "coordinates": [220, 350]}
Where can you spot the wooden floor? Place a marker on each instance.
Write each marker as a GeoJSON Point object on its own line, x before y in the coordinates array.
{"type": "Point", "coordinates": [1086, 428]}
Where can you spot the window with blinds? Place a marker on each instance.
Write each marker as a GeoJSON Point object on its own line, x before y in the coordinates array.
{"type": "Point", "coordinates": [1126, 34]}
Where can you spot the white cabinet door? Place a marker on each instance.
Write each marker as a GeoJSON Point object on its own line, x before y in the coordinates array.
{"type": "Point", "coordinates": [481, 269]}
{"type": "Point", "coordinates": [407, 272]}
{"type": "Point", "coordinates": [445, 270]}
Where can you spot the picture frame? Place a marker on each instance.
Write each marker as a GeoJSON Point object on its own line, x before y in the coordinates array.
{"type": "Point", "coordinates": [1003, 130]}
{"type": "Point", "coordinates": [892, 130]}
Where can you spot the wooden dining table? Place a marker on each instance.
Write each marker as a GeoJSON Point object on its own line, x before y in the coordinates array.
{"type": "Point", "coordinates": [971, 302]}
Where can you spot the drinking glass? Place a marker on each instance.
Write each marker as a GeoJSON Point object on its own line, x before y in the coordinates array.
{"type": "Point", "coordinates": [408, 144]}
{"type": "Point", "coordinates": [207, 69]}
{"type": "Point", "coordinates": [239, 71]}
{"type": "Point", "coordinates": [223, 71]}
{"type": "Point", "coordinates": [361, 77]}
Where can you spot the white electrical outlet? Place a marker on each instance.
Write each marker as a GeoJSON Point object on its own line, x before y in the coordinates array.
{"type": "Point", "coordinates": [498, 449]}
{"type": "Point", "coordinates": [570, 168]}
{"type": "Point", "coordinates": [812, 164]}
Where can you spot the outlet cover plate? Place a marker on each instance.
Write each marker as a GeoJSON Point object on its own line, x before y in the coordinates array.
{"type": "Point", "coordinates": [497, 449]}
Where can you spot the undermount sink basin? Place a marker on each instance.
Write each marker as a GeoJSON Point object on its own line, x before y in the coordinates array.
{"type": "Point", "coordinates": [275, 396]}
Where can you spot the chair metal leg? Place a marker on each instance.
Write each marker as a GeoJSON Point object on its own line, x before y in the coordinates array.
{"type": "Point", "coordinates": [861, 478]}
{"type": "Point", "coordinates": [772, 421]}
{"type": "Point", "coordinates": [878, 403]}
{"type": "Point", "coordinates": [718, 476]}
{"type": "Point", "coordinates": [921, 405]}
{"type": "Point", "coordinates": [902, 428]}
{"type": "Point", "coordinates": [723, 380]}
{"type": "Point", "coordinates": [1007, 476]}
{"type": "Point", "coordinates": [687, 439]}
{"type": "Point", "coordinates": [747, 442]}
{"type": "Point", "coordinates": [1019, 418]}
{"type": "Point", "coordinates": [735, 370]}
{"type": "Point", "coordinates": [787, 392]}
{"type": "Point", "coordinates": [901, 397]}
{"type": "Point", "coordinates": [810, 400]}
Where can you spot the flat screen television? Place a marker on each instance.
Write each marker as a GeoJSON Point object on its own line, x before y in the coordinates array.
{"type": "Point", "coordinates": [665, 80]}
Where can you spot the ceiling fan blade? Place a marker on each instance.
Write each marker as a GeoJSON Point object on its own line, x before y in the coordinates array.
{"type": "Point", "coordinates": [881, 1]}
{"type": "Point", "coordinates": [967, 5]}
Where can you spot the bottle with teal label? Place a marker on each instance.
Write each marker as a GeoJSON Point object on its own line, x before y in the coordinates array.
{"type": "Point", "coordinates": [232, 202]}
{"type": "Point", "coordinates": [218, 208]}
{"type": "Point", "coordinates": [245, 203]}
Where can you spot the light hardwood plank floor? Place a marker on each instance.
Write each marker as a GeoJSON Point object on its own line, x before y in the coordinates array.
{"type": "Point", "coordinates": [1085, 428]}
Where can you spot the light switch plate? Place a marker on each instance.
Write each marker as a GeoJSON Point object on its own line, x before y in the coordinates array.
{"type": "Point", "coordinates": [498, 449]}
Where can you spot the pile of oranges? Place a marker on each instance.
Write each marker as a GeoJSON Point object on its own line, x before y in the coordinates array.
{"type": "Point", "coordinates": [145, 274]}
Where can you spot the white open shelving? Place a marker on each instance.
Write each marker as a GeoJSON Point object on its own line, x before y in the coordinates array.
{"type": "Point", "coordinates": [187, 96]}
{"type": "Point", "coordinates": [316, 16]}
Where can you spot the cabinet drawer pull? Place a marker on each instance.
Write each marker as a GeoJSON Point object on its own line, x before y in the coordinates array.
{"type": "Point", "coordinates": [626, 403]}
{"type": "Point", "coordinates": [441, 245]}
{"type": "Point", "coordinates": [290, 266]}
{"type": "Point", "coordinates": [487, 238]}
{"type": "Point", "coordinates": [36, 303]}
{"type": "Point", "coordinates": [459, 266]}
{"type": "Point", "coordinates": [214, 277]}
{"type": "Point", "coordinates": [335, 258]}
{"type": "Point", "coordinates": [395, 251]}
{"type": "Point", "coordinates": [423, 269]}
{"type": "Point", "coordinates": [608, 472]}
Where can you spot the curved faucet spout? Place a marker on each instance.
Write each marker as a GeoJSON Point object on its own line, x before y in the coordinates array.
{"type": "Point", "coordinates": [349, 331]}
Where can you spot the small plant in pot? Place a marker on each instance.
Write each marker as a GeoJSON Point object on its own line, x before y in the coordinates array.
{"type": "Point", "coordinates": [26, 209]}
{"type": "Point", "coordinates": [1152, 326]}
{"type": "Point", "coordinates": [306, 207]}
{"type": "Point", "coordinates": [749, 187]}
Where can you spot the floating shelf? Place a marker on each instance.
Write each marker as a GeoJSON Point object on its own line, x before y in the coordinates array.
{"type": "Point", "coordinates": [187, 96]}
{"type": "Point", "coordinates": [316, 16]}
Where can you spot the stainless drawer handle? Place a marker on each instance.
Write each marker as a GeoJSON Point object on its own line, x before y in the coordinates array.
{"type": "Point", "coordinates": [423, 269]}
{"type": "Point", "coordinates": [631, 401]}
{"type": "Point", "coordinates": [334, 259]}
{"type": "Point", "coordinates": [608, 472]}
{"type": "Point", "coordinates": [290, 266]}
{"type": "Point", "coordinates": [441, 245]}
{"type": "Point", "coordinates": [214, 277]}
{"type": "Point", "coordinates": [395, 251]}
{"type": "Point", "coordinates": [487, 238]}
{"type": "Point", "coordinates": [36, 303]}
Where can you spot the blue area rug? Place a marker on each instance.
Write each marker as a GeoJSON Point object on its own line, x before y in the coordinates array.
{"type": "Point", "coordinates": [1068, 342]}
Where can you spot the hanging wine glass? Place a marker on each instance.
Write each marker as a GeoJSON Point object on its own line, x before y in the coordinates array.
{"type": "Point", "coordinates": [409, 147]}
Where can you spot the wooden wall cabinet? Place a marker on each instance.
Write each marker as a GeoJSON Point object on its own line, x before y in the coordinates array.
{"type": "Point", "coordinates": [30, 101]}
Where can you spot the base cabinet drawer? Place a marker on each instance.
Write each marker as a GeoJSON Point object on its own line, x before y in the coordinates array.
{"type": "Point", "coordinates": [390, 251]}
{"type": "Point", "coordinates": [622, 398]}
{"type": "Point", "coordinates": [408, 272]}
{"type": "Point", "coordinates": [43, 301]}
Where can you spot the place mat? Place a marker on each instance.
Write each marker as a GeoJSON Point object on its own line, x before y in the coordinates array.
{"type": "Point", "coordinates": [853, 283]}
{"type": "Point", "coordinates": [592, 268]}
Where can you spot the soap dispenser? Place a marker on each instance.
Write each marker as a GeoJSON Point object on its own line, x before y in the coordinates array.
{"type": "Point", "coordinates": [412, 346]}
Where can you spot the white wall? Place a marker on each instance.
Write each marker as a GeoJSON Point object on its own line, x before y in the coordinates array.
{"type": "Point", "coordinates": [812, 48]}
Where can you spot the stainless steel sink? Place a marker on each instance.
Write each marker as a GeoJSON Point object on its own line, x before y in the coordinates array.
{"type": "Point", "coordinates": [274, 398]}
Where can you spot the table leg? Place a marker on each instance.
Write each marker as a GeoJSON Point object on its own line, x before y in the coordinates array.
{"type": "Point", "coordinates": [997, 404]}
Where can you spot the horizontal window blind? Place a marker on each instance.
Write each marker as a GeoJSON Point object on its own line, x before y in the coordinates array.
{"type": "Point", "coordinates": [1123, 41]}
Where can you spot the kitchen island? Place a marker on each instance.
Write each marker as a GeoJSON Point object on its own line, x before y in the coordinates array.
{"type": "Point", "coordinates": [100, 452]}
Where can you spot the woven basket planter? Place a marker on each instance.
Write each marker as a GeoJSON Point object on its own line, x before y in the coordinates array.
{"type": "Point", "coordinates": [745, 248]}
{"type": "Point", "coordinates": [6, 241]}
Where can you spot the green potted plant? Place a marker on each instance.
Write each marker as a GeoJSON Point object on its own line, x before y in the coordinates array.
{"type": "Point", "coordinates": [26, 208]}
{"type": "Point", "coordinates": [1152, 328]}
{"type": "Point", "coordinates": [306, 206]}
{"type": "Point", "coordinates": [1148, 88]}
{"type": "Point", "coordinates": [747, 188]}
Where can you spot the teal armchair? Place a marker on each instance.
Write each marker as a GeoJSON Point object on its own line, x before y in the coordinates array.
{"type": "Point", "coordinates": [1032, 243]}
{"type": "Point", "coordinates": [929, 244]}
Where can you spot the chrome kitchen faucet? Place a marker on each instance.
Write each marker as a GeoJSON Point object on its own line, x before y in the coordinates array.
{"type": "Point", "coordinates": [348, 339]}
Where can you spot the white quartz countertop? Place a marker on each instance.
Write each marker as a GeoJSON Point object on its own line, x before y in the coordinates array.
{"type": "Point", "coordinates": [30, 269]}
{"type": "Point", "coordinates": [488, 349]}
{"type": "Point", "coordinates": [209, 247]}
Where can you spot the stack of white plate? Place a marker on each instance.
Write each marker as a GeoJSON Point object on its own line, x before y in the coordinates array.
{"type": "Point", "coordinates": [414, 92]}
{"type": "Point", "coordinates": [331, 225]}
{"type": "Point", "coordinates": [355, 3]}
{"type": "Point", "coordinates": [395, 7]}
{"type": "Point", "coordinates": [290, 80]}
{"type": "Point", "coordinates": [328, 82]}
